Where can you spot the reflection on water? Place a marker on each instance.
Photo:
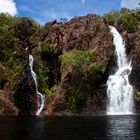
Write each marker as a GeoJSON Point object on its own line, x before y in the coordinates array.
{"type": "Point", "coordinates": [70, 128]}
{"type": "Point", "coordinates": [21, 128]}
{"type": "Point", "coordinates": [122, 128]}
{"type": "Point", "coordinates": [30, 128]}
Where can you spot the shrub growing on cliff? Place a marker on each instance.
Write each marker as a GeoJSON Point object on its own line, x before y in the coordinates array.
{"type": "Point", "coordinates": [85, 71]}
{"type": "Point", "coordinates": [78, 60]}
{"type": "Point", "coordinates": [44, 80]}
{"type": "Point", "coordinates": [8, 44]}
{"type": "Point", "coordinates": [46, 50]}
{"type": "Point", "coordinates": [137, 96]}
{"type": "Point", "coordinates": [125, 17]}
{"type": "Point", "coordinates": [75, 99]}
{"type": "Point", "coordinates": [95, 67]}
{"type": "Point", "coordinates": [44, 70]}
{"type": "Point", "coordinates": [7, 20]}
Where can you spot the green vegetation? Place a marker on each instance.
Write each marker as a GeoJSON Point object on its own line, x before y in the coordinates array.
{"type": "Point", "coordinates": [46, 50]}
{"type": "Point", "coordinates": [76, 99]}
{"type": "Point", "coordinates": [78, 60]}
{"type": "Point", "coordinates": [127, 18]}
{"type": "Point", "coordinates": [13, 30]}
{"type": "Point", "coordinates": [44, 69]}
{"type": "Point", "coordinates": [83, 75]}
{"type": "Point", "coordinates": [95, 67]}
{"type": "Point", "coordinates": [10, 61]}
{"type": "Point", "coordinates": [137, 96]}
{"type": "Point", "coordinates": [6, 20]}
{"type": "Point", "coordinates": [44, 80]}
{"type": "Point", "coordinates": [8, 44]}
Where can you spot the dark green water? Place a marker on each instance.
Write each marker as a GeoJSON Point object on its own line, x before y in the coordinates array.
{"type": "Point", "coordinates": [70, 128]}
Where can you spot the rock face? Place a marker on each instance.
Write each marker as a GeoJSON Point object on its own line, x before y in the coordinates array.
{"type": "Point", "coordinates": [77, 87]}
{"type": "Point", "coordinates": [25, 95]}
{"type": "Point", "coordinates": [135, 56]}
{"type": "Point", "coordinates": [7, 106]}
{"type": "Point", "coordinates": [81, 33]}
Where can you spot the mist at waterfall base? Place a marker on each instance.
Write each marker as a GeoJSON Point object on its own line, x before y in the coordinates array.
{"type": "Point", "coordinates": [119, 90]}
{"type": "Point", "coordinates": [40, 97]}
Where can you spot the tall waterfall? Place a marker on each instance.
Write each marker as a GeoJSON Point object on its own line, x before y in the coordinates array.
{"type": "Point", "coordinates": [119, 91]}
{"type": "Point", "coordinates": [40, 97]}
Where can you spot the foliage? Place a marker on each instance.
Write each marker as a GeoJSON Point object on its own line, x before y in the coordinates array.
{"type": "Point", "coordinates": [95, 67]}
{"type": "Point", "coordinates": [6, 20]}
{"type": "Point", "coordinates": [77, 59]}
{"type": "Point", "coordinates": [128, 18]}
{"type": "Point", "coordinates": [8, 43]}
{"type": "Point", "coordinates": [85, 71]}
{"type": "Point", "coordinates": [42, 72]}
{"type": "Point", "coordinates": [46, 50]}
{"type": "Point", "coordinates": [10, 53]}
{"type": "Point", "coordinates": [82, 88]}
{"type": "Point", "coordinates": [76, 99]}
{"type": "Point", "coordinates": [45, 68]}
{"type": "Point", "coordinates": [137, 96]}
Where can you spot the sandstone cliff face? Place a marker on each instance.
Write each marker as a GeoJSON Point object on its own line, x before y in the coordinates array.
{"type": "Point", "coordinates": [82, 33]}
{"type": "Point", "coordinates": [25, 95]}
{"type": "Point", "coordinates": [135, 56]}
{"type": "Point", "coordinates": [7, 106]}
{"type": "Point", "coordinates": [69, 91]}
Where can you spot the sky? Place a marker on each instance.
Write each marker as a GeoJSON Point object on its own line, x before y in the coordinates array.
{"type": "Point", "coordinates": [48, 10]}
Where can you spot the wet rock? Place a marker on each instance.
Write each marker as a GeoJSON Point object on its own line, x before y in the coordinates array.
{"type": "Point", "coordinates": [25, 95]}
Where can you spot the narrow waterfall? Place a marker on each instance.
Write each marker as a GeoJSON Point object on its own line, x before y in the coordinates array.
{"type": "Point", "coordinates": [119, 90]}
{"type": "Point", "coordinates": [40, 97]}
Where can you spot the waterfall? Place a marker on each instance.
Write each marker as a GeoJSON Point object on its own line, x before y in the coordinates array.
{"type": "Point", "coordinates": [119, 90]}
{"type": "Point", "coordinates": [40, 97]}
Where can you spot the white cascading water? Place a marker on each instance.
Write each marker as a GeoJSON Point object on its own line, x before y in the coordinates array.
{"type": "Point", "coordinates": [40, 97]}
{"type": "Point", "coordinates": [119, 90]}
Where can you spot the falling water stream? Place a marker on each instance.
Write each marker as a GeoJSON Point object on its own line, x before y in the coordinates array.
{"type": "Point", "coordinates": [40, 97]}
{"type": "Point", "coordinates": [119, 90]}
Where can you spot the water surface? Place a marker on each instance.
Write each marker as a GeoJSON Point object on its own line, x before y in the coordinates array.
{"type": "Point", "coordinates": [70, 128]}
